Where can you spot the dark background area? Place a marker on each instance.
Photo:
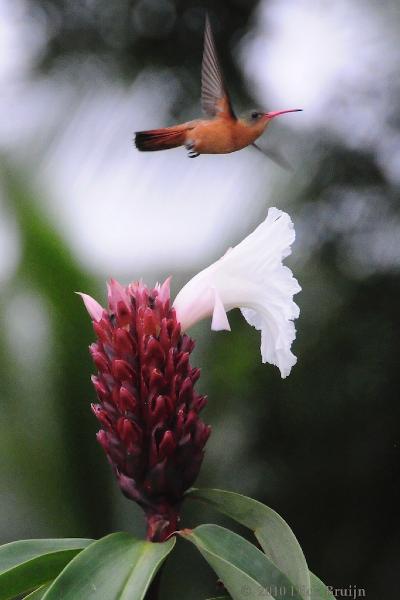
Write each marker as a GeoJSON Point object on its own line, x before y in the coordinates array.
{"type": "Point", "coordinates": [322, 446]}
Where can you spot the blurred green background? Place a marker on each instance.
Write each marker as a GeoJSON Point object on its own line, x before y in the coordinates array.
{"type": "Point", "coordinates": [79, 204]}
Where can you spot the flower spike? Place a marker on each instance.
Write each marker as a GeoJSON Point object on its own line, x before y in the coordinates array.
{"type": "Point", "coordinates": [251, 277]}
{"type": "Point", "coordinates": [147, 406]}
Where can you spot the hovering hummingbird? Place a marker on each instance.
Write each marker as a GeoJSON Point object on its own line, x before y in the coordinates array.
{"type": "Point", "coordinates": [222, 132]}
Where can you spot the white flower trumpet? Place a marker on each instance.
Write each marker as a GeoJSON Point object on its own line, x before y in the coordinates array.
{"type": "Point", "coordinates": [251, 277]}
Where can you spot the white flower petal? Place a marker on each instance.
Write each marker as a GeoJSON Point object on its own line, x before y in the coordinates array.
{"type": "Point", "coordinates": [219, 319]}
{"type": "Point", "coordinates": [251, 277]}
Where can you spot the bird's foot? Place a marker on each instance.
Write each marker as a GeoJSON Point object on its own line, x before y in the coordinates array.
{"type": "Point", "coordinates": [192, 153]}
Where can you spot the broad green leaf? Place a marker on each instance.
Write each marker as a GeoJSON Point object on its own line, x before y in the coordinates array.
{"type": "Point", "coordinates": [273, 533]}
{"type": "Point", "coordinates": [26, 564]}
{"type": "Point", "coordinates": [245, 571]}
{"type": "Point", "coordinates": [116, 567]}
{"type": "Point", "coordinates": [319, 591]}
{"type": "Point", "coordinates": [39, 593]}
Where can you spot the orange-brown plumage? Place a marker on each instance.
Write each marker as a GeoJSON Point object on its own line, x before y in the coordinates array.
{"type": "Point", "coordinates": [161, 139]}
{"type": "Point", "coordinates": [222, 132]}
{"type": "Point", "coordinates": [220, 136]}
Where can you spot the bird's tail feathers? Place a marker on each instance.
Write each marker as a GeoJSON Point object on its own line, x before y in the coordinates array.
{"type": "Point", "coordinates": [160, 139]}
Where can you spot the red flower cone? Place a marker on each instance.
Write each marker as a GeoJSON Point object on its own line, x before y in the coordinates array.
{"type": "Point", "coordinates": [148, 409]}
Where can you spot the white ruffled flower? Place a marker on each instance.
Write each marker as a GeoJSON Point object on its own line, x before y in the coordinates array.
{"type": "Point", "coordinates": [251, 277]}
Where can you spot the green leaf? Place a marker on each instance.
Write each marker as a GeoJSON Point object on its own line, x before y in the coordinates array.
{"type": "Point", "coordinates": [116, 567]}
{"type": "Point", "coordinates": [273, 533]}
{"type": "Point", "coordinates": [39, 593]}
{"type": "Point", "coordinates": [245, 571]}
{"type": "Point", "coordinates": [26, 564]}
{"type": "Point", "coordinates": [319, 591]}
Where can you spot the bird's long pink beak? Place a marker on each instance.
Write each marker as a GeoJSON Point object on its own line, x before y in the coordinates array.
{"type": "Point", "coordinates": [276, 113]}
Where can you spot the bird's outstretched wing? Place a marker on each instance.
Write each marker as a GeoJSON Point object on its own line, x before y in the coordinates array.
{"type": "Point", "coordinates": [215, 99]}
{"type": "Point", "coordinates": [276, 157]}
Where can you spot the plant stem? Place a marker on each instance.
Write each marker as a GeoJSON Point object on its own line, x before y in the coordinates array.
{"type": "Point", "coordinates": [162, 520]}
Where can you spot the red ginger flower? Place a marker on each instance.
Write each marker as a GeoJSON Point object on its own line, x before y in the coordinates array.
{"type": "Point", "coordinates": [149, 411]}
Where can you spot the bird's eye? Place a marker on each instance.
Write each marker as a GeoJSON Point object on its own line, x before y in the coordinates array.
{"type": "Point", "coordinates": [255, 115]}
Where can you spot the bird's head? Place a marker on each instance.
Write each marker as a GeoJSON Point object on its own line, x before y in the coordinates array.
{"type": "Point", "coordinates": [260, 119]}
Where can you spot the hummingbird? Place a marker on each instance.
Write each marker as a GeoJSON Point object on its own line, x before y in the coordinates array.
{"type": "Point", "coordinates": [222, 131]}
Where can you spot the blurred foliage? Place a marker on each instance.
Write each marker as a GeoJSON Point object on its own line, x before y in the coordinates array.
{"type": "Point", "coordinates": [173, 30]}
{"type": "Point", "coordinates": [130, 35]}
{"type": "Point", "coordinates": [321, 447]}
{"type": "Point", "coordinates": [66, 473]}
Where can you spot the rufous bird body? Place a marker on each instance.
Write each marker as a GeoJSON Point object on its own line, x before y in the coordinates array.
{"type": "Point", "coordinates": [222, 132]}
